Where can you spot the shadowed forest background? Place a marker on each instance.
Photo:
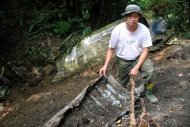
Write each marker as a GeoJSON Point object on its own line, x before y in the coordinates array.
{"type": "Point", "coordinates": [25, 22]}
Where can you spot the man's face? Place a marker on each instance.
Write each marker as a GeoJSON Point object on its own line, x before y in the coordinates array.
{"type": "Point", "coordinates": [132, 18]}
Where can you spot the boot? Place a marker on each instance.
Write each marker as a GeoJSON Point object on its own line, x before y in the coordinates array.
{"type": "Point", "coordinates": [149, 94]}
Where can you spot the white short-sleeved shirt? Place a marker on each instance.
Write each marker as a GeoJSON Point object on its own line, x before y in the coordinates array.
{"type": "Point", "coordinates": [129, 45]}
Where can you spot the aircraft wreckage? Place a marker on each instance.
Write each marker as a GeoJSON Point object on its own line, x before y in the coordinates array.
{"type": "Point", "coordinates": [104, 103]}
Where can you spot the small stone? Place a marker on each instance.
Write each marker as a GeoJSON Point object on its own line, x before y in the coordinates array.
{"type": "Point", "coordinates": [184, 56]}
{"type": "Point", "coordinates": [118, 121]}
{"type": "Point", "coordinates": [119, 125]}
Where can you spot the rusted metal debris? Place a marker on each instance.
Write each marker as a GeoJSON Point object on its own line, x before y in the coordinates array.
{"type": "Point", "coordinates": [104, 103]}
{"type": "Point", "coordinates": [98, 105]}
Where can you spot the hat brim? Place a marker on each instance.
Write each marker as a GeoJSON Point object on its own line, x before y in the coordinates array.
{"type": "Point", "coordinates": [126, 13]}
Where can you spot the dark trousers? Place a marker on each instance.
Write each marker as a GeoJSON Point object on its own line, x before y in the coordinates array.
{"type": "Point", "coordinates": [125, 66]}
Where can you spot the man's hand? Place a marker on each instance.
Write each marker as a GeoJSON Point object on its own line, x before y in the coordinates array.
{"type": "Point", "coordinates": [134, 71]}
{"type": "Point", "coordinates": [141, 60]}
{"type": "Point", "coordinates": [102, 71]}
{"type": "Point", "coordinates": [108, 57]}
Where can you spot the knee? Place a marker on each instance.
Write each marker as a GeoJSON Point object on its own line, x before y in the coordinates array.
{"type": "Point", "coordinates": [148, 66]}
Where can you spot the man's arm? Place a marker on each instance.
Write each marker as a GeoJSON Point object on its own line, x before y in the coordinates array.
{"type": "Point", "coordinates": [108, 58]}
{"type": "Point", "coordinates": [141, 60]}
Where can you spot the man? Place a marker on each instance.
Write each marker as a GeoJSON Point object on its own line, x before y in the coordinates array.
{"type": "Point", "coordinates": [131, 40]}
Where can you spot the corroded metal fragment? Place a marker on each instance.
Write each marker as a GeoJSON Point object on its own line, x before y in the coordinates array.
{"type": "Point", "coordinates": [99, 105]}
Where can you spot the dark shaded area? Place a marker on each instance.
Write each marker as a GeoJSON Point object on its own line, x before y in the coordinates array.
{"type": "Point", "coordinates": [18, 21]}
{"type": "Point", "coordinates": [144, 21]}
{"type": "Point", "coordinates": [23, 21]}
{"type": "Point", "coordinates": [26, 26]}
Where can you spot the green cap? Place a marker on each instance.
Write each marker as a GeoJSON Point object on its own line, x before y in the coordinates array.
{"type": "Point", "coordinates": [132, 8]}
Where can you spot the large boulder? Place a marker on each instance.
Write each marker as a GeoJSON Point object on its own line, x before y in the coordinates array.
{"type": "Point", "coordinates": [91, 49]}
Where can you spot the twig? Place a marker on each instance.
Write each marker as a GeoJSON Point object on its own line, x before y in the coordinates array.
{"type": "Point", "coordinates": [145, 117]}
{"type": "Point", "coordinates": [132, 104]}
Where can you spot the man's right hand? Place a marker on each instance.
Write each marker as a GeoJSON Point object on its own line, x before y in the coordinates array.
{"type": "Point", "coordinates": [108, 57]}
{"type": "Point", "coordinates": [102, 71]}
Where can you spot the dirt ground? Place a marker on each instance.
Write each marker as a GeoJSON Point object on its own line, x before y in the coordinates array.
{"type": "Point", "coordinates": [33, 106]}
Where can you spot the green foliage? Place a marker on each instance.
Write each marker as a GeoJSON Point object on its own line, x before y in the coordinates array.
{"type": "Point", "coordinates": [85, 14]}
{"type": "Point", "coordinates": [141, 3]}
{"type": "Point", "coordinates": [5, 23]}
{"type": "Point", "coordinates": [70, 42]}
{"type": "Point", "coordinates": [41, 19]}
{"type": "Point", "coordinates": [79, 26]}
{"type": "Point", "coordinates": [172, 10]}
{"type": "Point", "coordinates": [38, 24]}
{"type": "Point", "coordinates": [86, 31]}
{"type": "Point", "coordinates": [38, 54]}
{"type": "Point", "coordinates": [62, 27]}
{"type": "Point", "coordinates": [56, 21]}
